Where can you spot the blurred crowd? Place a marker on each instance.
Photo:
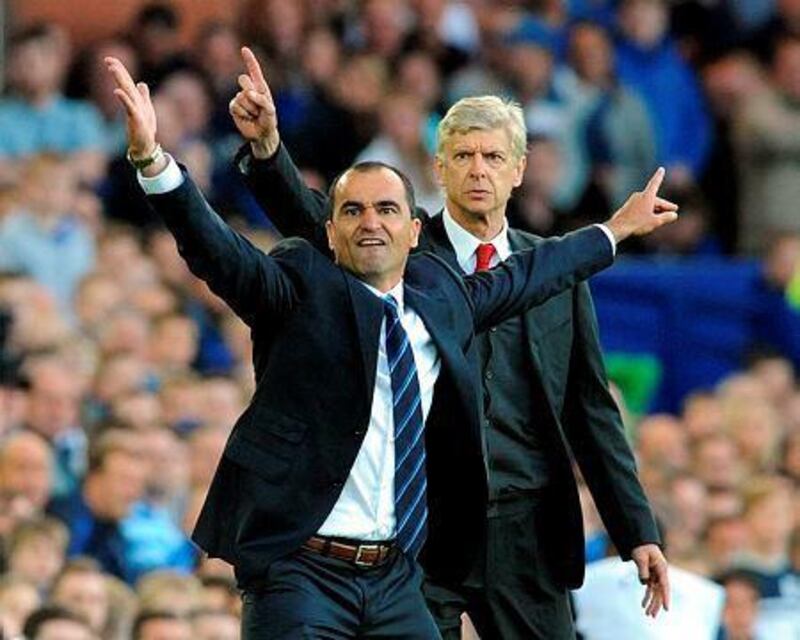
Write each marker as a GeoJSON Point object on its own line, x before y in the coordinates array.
{"type": "Point", "coordinates": [121, 374]}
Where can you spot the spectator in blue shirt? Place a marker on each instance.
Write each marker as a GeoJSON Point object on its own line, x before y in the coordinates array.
{"type": "Point", "coordinates": [36, 117]}
{"type": "Point", "coordinates": [649, 62]}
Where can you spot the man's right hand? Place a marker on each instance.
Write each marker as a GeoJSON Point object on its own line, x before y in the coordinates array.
{"type": "Point", "coordinates": [253, 109]}
{"type": "Point", "coordinates": [643, 212]}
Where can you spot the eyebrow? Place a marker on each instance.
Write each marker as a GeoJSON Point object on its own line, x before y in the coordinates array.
{"type": "Point", "coordinates": [361, 205]}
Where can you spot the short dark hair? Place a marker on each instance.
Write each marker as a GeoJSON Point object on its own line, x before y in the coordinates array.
{"type": "Point", "coordinates": [32, 33]}
{"type": "Point", "coordinates": [158, 14]}
{"type": "Point", "coordinates": [48, 613]}
{"type": "Point", "coordinates": [365, 167]}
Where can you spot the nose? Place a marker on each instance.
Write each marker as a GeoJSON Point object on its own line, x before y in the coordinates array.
{"type": "Point", "coordinates": [369, 217]}
{"type": "Point", "coordinates": [477, 165]}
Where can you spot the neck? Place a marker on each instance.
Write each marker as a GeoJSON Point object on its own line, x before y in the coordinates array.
{"type": "Point", "coordinates": [93, 498]}
{"type": "Point", "coordinates": [384, 285]}
{"type": "Point", "coordinates": [39, 99]}
{"type": "Point", "coordinates": [485, 227]}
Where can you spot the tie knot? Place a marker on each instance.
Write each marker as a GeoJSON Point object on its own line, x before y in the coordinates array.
{"type": "Point", "coordinates": [390, 304]}
{"type": "Point", "coordinates": [484, 254]}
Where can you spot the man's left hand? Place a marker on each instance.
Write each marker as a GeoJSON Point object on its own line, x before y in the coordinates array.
{"type": "Point", "coordinates": [652, 567]}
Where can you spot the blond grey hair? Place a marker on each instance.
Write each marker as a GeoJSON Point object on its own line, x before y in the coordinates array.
{"type": "Point", "coordinates": [484, 113]}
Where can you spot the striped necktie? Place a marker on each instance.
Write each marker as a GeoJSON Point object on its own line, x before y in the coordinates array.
{"type": "Point", "coordinates": [410, 483]}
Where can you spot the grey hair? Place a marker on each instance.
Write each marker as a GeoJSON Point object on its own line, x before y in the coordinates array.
{"type": "Point", "coordinates": [484, 113]}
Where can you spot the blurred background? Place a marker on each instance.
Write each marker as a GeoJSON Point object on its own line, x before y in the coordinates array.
{"type": "Point", "coordinates": [121, 374]}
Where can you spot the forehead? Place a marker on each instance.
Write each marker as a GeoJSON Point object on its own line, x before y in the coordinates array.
{"type": "Point", "coordinates": [373, 185]}
{"type": "Point", "coordinates": [497, 139]}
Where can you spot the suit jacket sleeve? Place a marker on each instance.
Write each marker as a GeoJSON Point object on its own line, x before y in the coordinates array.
{"type": "Point", "coordinates": [281, 192]}
{"type": "Point", "coordinates": [531, 277]}
{"type": "Point", "coordinates": [595, 432]}
{"type": "Point", "coordinates": [247, 279]}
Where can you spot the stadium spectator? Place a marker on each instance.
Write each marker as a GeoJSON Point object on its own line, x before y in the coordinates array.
{"type": "Point", "coordinates": [18, 599]}
{"type": "Point", "coordinates": [170, 592]}
{"type": "Point", "coordinates": [36, 551]}
{"type": "Point", "coordinates": [157, 40]}
{"type": "Point", "coordinates": [209, 624]}
{"type": "Point", "coordinates": [767, 141]}
{"type": "Point", "coordinates": [399, 142]}
{"type": "Point", "coordinates": [648, 62]}
{"type": "Point", "coordinates": [161, 625]}
{"type": "Point", "coordinates": [54, 413]}
{"type": "Point", "coordinates": [26, 468]}
{"type": "Point", "coordinates": [56, 623]}
{"type": "Point", "coordinates": [741, 606]}
{"type": "Point", "coordinates": [36, 117]}
{"type": "Point", "coordinates": [619, 139]}
{"type": "Point", "coordinates": [81, 587]}
{"type": "Point", "coordinates": [43, 236]}
{"type": "Point", "coordinates": [114, 482]}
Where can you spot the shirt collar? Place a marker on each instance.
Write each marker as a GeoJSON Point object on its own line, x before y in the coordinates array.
{"type": "Point", "coordinates": [465, 244]}
{"type": "Point", "coordinates": [396, 292]}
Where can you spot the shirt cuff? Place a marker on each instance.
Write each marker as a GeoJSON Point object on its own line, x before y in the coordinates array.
{"type": "Point", "coordinates": [168, 180]}
{"type": "Point", "coordinates": [610, 237]}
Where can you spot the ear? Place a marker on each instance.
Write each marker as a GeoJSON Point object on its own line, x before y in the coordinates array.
{"type": "Point", "coordinates": [519, 171]}
{"type": "Point", "coordinates": [416, 227]}
{"type": "Point", "coordinates": [438, 170]}
{"type": "Point", "coordinates": [330, 231]}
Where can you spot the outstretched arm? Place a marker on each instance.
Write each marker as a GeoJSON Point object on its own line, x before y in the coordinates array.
{"type": "Point", "coordinates": [243, 276]}
{"type": "Point", "coordinates": [531, 277]}
{"type": "Point", "coordinates": [268, 169]}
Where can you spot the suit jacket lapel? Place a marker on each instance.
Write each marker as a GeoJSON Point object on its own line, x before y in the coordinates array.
{"type": "Point", "coordinates": [436, 241]}
{"type": "Point", "coordinates": [368, 313]}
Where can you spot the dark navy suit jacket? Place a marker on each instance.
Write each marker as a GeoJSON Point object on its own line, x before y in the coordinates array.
{"type": "Point", "coordinates": [315, 331]}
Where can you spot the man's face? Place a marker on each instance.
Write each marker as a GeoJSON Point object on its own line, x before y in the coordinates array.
{"type": "Point", "coordinates": [86, 594]}
{"type": "Point", "coordinates": [53, 402]}
{"type": "Point", "coordinates": [478, 171]}
{"type": "Point", "coordinates": [26, 468]}
{"type": "Point", "coordinates": [121, 481]}
{"type": "Point", "coordinates": [371, 230]}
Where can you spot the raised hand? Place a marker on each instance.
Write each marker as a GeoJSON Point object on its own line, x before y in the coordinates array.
{"type": "Point", "coordinates": [140, 117]}
{"type": "Point", "coordinates": [253, 109]}
{"type": "Point", "coordinates": [644, 211]}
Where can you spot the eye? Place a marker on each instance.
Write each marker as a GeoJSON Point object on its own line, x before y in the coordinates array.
{"type": "Point", "coordinates": [387, 209]}
{"type": "Point", "coordinates": [461, 156]}
{"type": "Point", "coordinates": [495, 158]}
{"type": "Point", "coordinates": [350, 210]}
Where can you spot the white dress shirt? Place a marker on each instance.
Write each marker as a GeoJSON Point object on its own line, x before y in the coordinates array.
{"type": "Point", "coordinates": [465, 244]}
{"type": "Point", "coordinates": [365, 508]}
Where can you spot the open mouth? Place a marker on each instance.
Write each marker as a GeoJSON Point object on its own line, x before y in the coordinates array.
{"type": "Point", "coordinates": [371, 242]}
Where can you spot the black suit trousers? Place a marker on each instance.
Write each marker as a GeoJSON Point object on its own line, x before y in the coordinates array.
{"type": "Point", "coordinates": [514, 592]}
{"type": "Point", "coordinates": [307, 595]}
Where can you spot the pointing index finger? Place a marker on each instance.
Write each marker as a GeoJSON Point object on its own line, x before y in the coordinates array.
{"type": "Point", "coordinates": [655, 181]}
{"type": "Point", "coordinates": [254, 70]}
{"type": "Point", "coordinates": [122, 77]}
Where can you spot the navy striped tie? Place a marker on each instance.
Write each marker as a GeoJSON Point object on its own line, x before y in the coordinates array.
{"type": "Point", "coordinates": [410, 483]}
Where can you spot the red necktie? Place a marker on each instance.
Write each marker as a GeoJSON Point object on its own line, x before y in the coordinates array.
{"type": "Point", "coordinates": [484, 254]}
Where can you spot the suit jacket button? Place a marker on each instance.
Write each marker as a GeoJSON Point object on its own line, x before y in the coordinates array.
{"type": "Point", "coordinates": [489, 375]}
{"type": "Point", "coordinates": [358, 432]}
{"type": "Point", "coordinates": [337, 485]}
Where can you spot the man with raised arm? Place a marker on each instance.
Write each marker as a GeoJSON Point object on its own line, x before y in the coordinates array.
{"type": "Point", "coordinates": [545, 393]}
{"type": "Point", "coordinates": [360, 449]}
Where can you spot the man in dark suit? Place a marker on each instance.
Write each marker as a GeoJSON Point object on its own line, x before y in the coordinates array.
{"type": "Point", "coordinates": [362, 442]}
{"type": "Point", "coordinates": [545, 392]}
